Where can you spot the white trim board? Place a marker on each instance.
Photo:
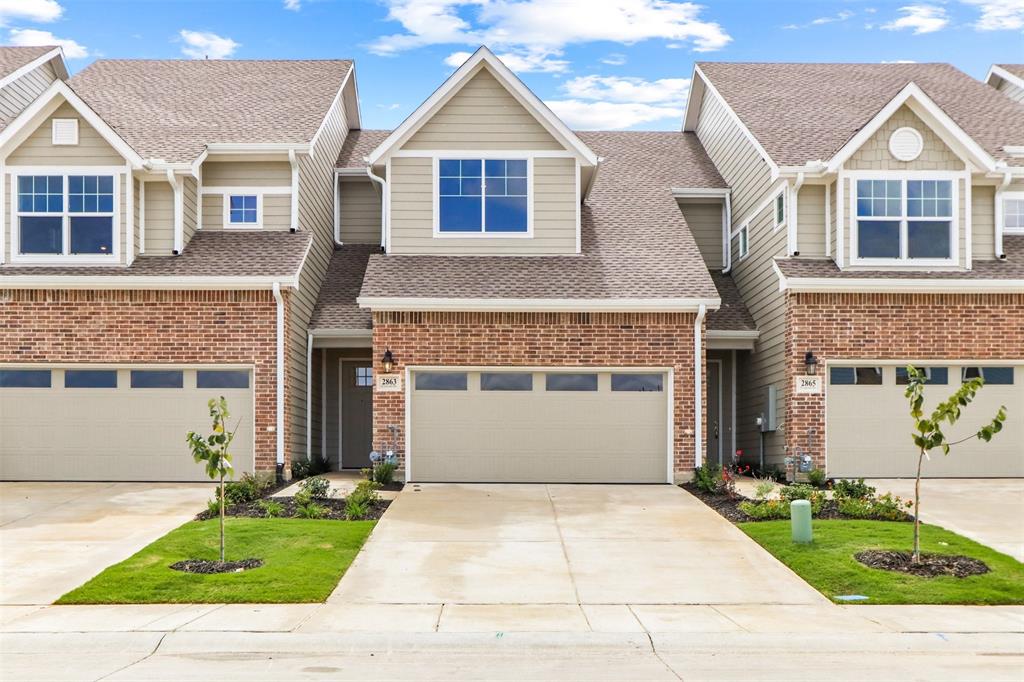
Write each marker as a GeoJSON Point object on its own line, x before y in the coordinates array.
{"type": "Point", "coordinates": [156, 282]}
{"type": "Point", "coordinates": [539, 304]}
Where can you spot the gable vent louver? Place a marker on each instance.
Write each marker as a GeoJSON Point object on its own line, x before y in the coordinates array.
{"type": "Point", "coordinates": [906, 144]}
{"type": "Point", "coordinates": [65, 131]}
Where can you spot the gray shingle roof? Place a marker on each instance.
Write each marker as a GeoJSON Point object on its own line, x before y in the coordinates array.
{"type": "Point", "coordinates": [1016, 69]}
{"type": "Point", "coordinates": [336, 308]}
{"type": "Point", "coordinates": [208, 254]}
{"type": "Point", "coordinates": [733, 315]}
{"type": "Point", "coordinates": [807, 112]}
{"type": "Point", "coordinates": [358, 145]}
{"type": "Point", "coordinates": [1011, 268]}
{"type": "Point", "coordinates": [13, 58]}
{"type": "Point", "coordinates": [635, 243]}
{"type": "Point", "coordinates": [170, 109]}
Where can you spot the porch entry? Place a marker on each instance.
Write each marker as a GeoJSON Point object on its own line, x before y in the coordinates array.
{"type": "Point", "coordinates": [355, 408]}
{"type": "Point", "coordinates": [715, 427]}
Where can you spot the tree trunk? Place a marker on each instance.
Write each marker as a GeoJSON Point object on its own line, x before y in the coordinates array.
{"type": "Point", "coordinates": [222, 517]}
{"type": "Point", "coordinates": [917, 510]}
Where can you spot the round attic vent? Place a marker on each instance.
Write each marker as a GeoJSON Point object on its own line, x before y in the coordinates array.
{"type": "Point", "coordinates": [906, 144]}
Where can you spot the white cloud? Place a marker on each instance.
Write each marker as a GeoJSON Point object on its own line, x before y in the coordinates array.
{"type": "Point", "coordinates": [821, 21]}
{"type": "Point", "coordinates": [389, 107]}
{"type": "Point", "coordinates": [601, 102]}
{"type": "Point", "coordinates": [203, 45]}
{"type": "Point", "coordinates": [520, 61]}
{"type": "Point", "coordinates": [999, 15]}
{"type": "Point", "coordinates": [293, 5]}
{"type": "Point", "coordinates": [920, 19]}
{"type": "Point", "coordinates": [614, 59]}
{"type": "Point", "coordinates": [531, 27]}
{"type": "Point", "coordinates": [30, 10]}
{"type": "Point", "coordinates": [22, 37]}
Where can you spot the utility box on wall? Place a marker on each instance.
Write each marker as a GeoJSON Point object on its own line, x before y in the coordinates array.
{"type": "Point", "coordinates": [770, 422]}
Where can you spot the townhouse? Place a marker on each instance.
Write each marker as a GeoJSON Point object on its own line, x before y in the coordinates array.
{"type": "Point", "coordinates": [490, 295]}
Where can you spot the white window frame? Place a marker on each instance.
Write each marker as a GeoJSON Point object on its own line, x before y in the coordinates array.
{"type": "Point", "coordinates": [780, 198]}
{"type": "Point", "coordinates": [231, 225]}
{"type": "Point", "coordinates": [15, 172]}
{"type": "Point", "coordinates": [742, 236]}
{"type": "Point", "coordinates": [506, 155]}
{"type": "Point", "coordinates": [904, 176]}
{"type": "Point", "coordinates": [1004, 197]}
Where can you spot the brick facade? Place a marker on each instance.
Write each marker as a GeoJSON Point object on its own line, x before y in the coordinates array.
{"type": "Point", "coordinates": [538, 339]}
{"type": "Point", "coordinates": [186, 327]}
{"type": "Point", "coordinates": [890, 327]}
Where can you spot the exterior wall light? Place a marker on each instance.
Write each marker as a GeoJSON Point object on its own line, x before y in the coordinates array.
{"type": "Point", "coordinates": [810, 363]}
{"type": "Point", "coordinates": [388, 361]}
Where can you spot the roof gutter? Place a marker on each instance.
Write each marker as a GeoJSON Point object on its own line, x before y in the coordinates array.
{"type": "Point", "coordinates": [148, 282]}
{"type": "Point", "coordinates": [684, 305]}
{"type": "Point", "coordinates": [727, 236]}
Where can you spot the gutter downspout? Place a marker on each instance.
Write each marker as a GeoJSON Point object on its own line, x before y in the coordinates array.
{"type": "Point", "coordinates": [383, 208]}
{"type": "Point", "coordinates": [309, 397]}
{"type": "Point", "coordinates": [698, 384]}
{"type": "Point", "coordinates": [293, 220]}
{"type": "Point", "coordinates": [791, 218]}
{"type": "Point", "coordinates": [280, 380]}
{"type": "Point", "coordinates": [1000, 218]}
{"type": "Point", "coordinates": [179, 218]}
{"type": "Point", "coordinates": [337, 208]}
{"type": "Point", "coordinates": [728, 233]}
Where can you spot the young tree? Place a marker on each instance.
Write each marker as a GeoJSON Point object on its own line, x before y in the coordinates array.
{"type": "Point", "coordinates": [929, 435]}
{"type": "Point", "coordinates": [214, 451]}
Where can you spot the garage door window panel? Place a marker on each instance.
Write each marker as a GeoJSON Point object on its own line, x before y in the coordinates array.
{"type": "Point", "coordinates": [570, 382]}
{"type": "Point", "coordinates": [441, 381]}
{"type": "Point", "coordinates": [855, 376]}
{"type": "Point", "coordinates": [933, 375]}
{"type": "Point", "coordinates": [638, 383]}
{"type": "Point", "coordinates": [1002, 376]}
{"type": "Point", "coordinates": [506, 381]}
{"type": "Point", "coordinates": [25, 378]}
{"type": "Point", "coordinates": [904, 221]}
{"type": "Point", "coordinates": [222, 378]}
{"type": "Point", "coordinates": [90, 378]}
{"type": "Point", "coordinates": [157, 379]}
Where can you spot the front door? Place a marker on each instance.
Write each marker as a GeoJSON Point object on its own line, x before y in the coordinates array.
{"type": "Point", "coordinates": [356, 414]}
{"type": "Point", "coordinates": [714, 416]}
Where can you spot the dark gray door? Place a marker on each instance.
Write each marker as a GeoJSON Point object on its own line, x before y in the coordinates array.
{"type": "Point", "coordinates": [714, 416]}
{"type": "Point", "coordinates": [356, 414]}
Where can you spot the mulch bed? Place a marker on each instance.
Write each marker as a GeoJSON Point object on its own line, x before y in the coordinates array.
{"type": "Point", "coordinates": [209, 566]}
{"type": "Point", "coordinates": [729, 507]}
{"type": "Point", "coordinates": [335, 510]}
{"type": "Point", "coordinates": [931, 566]}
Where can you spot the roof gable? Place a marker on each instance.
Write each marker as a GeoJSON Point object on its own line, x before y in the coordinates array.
{"type": "Point", "coordinates": [874, 154]}
{"type": "Point", "coordinates": [483, 58]}
{"type": "Point", "coordinates": [15, 62]}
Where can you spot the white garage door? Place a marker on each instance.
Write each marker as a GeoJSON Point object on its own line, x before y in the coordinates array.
{"type": "Point", "coordinates": [869, 425]}
{"type": "Point", "coordinates": [116, 423]}
{"type": "Point", "coordinates": [527, 426]}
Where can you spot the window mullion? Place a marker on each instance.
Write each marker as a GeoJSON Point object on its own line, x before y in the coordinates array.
{"type": "Point", "coordinates": [65, 215]}
{"type": "Point", "coordinates": [904, 224]}
{"type": "Point", "coordinates": [483, 196]}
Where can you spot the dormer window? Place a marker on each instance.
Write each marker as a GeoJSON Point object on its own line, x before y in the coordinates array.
{"type": "Point", "coordinates": [483, 196]}
{"type": "Point", "coordinates": [66, 215]}
{"type": "Point", "coordinates": [1013, 212]}
{"type": "Point", "coordinates": [907, 221]}
{"type": "Point", "coordinates": [243, 210]}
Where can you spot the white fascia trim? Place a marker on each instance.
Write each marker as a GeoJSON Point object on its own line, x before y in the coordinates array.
{"type": "Point", "coordinates": [515, 86]}
{"type": "Point", "coordinates": [61, 89]}
{"type": "Point", "coordinates": [36, 63]}
{"type": "Point", "coordinates": [736, 119]}
{"type": "Point", "coordinates": [327, 332]}
{"type": "Point", "coordinates": [626, 305]}
{"type": "Point", "coordinates": [153, 282]}
{"type": "Point", "coordinates": [257, 148]}
{"type": "Point", "coordinates": [999, 72]}
{"type": "Point", "coordinates": [733, 333]}
{"type": "Point", "coordinates": [337, 98]}
{"type": "Point", "coordinates": [351, 172]}
{"type": "Point", "coordinates": [1012, 149]}
{"type": "Point", "coordinates": [926, 109]}
{"type": "Point", "coordinates": [900, 286]}
{"type": "Point", "coordinates": [694, 99]}
{"type": "Point", "coordinates": [700, 192]}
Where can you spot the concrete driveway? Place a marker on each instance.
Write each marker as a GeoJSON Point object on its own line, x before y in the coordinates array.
{"type": "Point", "coordinates": [987, 510]}
{"type": "Point", "coordinates": [55, 536]}
{"type": "Point", "coordinates": [594, 550]}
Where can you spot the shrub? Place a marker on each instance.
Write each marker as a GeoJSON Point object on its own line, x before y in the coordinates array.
{"type": "Point", "coordinates": [310, 510]}
{"type": "Point", "coordinates": [764, 510]}
{"type": "Point", "coordinates": [384, 473]}
{"type": "Point", "coordinates": [885, 508]}
{"type": "Point", "coordinates": [356, 509]}
{"type": "Point", "coordinates": [365, 493]}
{"type": "Point", "coordinates": [854, 490]}
{"type": "Point", "coordinates": [213, 507]}
{"type": "Point", "coordinates": [816, 477]}
{"type": "Point", "coordinates": [303, 468]}
{"type": "Point", "coordinates": [247, 488]}
{"type": "Point", "coordinates": [271, 508]}
{"type": "Point", "coordinates": [802, 491]}
{"type": "Point", "coordinates": [764, 488]}
{"type": "Point", "coordinates": [318, 487]}
{"type": "Point", "coordinates": [706, 478]}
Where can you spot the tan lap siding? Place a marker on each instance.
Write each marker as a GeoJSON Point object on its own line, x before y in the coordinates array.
{"type": "Point", "coordinates": [811, 220]}
{"type": "Point", "coordinates": [482, 115]}
{"type": "Point", "coordinates": [705, 223]}
{"type": "Point", "coordinates": [247, 174]}
{"type": "Point", "coordinates": [38, 149]}
{"type": "Point", "coordinates": [360, 211]}
{"type": "Point", "coordinates": [983, 222]}
{"type": "Point", "coordinates": [213, 211]}
{"type": "Point", "coordinates": [18, 94]}
{"type": "Point", "coordinates": [159, 218]}
{"type": "Point", "coordinates": [277, 211]}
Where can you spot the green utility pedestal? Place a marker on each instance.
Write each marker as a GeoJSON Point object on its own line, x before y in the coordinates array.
{"type": "Point", "coordinates": [800, 517]}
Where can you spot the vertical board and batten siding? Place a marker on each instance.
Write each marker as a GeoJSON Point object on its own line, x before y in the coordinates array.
{"type": "Point", "coordinates": [705, 223]}
{"type": "Point", "coordinates": [360, 211]}
{"type": "Point", "coordinates": [38, 148]}
{"type": "Point", "coordinates": [316, 216]}
{"type": "Point", "coordinates": [811, 221]}
{"type": "Point", "coordinates": [482, 115]}
{"type": "Point", "coordinates": [159, 218]}
{"type": "Point", "coordinates": [749, 176]}
{"type": "Point", "coordinates": [18, 94]}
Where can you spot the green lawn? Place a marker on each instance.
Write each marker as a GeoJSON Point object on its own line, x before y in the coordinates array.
{"type": "Point", "coordinates": [828, 563]}
{"type": "Point", "coordinates": [303, 560]}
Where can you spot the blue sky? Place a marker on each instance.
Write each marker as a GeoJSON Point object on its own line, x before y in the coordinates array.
{"type": "Point", "coordinates": [598, 63]}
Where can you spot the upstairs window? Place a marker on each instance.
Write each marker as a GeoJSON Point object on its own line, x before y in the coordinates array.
{"type": "Point", "coordinates": [780, 210]}
{"type": "Point", "coordinates": [905, 220]}
{"type": "Point", "coordinates": [243, 210]}
{"type": "Point", "coordinates": [742, 242]}
{"type": "Point", "coordinates": [66, 215]}
{"type": "Point", "coordinates": [477, 196]}
{"type": "Point", "coordinates": [1013, 212]}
